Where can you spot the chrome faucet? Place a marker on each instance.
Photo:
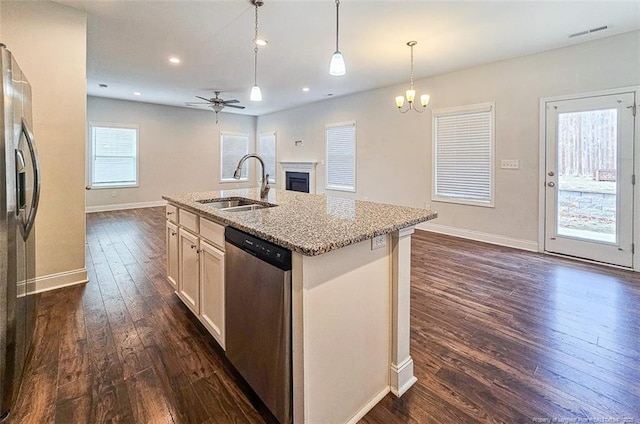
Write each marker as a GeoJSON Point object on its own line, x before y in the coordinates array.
{"type": "Point", "coordinates": [264, 188]}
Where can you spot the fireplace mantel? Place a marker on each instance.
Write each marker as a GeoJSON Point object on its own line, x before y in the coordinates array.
{"type": "Point", "coordinates": [308, 167]}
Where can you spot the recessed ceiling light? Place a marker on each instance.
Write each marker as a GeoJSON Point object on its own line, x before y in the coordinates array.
{"type": "Point", "coordinates": [305, 89]}
{"type": "Point", "coordinates": [174, 59]}
{"type": "Point", "coordinates": [137, 93]}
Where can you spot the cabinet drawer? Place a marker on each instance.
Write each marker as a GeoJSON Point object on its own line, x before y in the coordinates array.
{"type": "Point", "coordinates": [172, 213]}
{"type": "Point", "coordinates": [213, 232]}
{"type": "Point", "coordinates": [189, 221]}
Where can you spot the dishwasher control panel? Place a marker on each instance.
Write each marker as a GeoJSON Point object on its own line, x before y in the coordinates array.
{"type": "Point", "coordinates": [262, 249]}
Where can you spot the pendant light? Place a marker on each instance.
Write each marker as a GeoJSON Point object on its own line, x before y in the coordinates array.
{"type": "Point", "coordinates": [337, 66]}
{"type": "Point", "coordinates": [256, 93]}
{"type": "Point", "coordinates": [410, 94]}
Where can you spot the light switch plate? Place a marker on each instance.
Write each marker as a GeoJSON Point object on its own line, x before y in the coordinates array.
{"type": "Point", "coordinates": [509, 164]}
{"type": "Point", "coordinates": [379, 242]}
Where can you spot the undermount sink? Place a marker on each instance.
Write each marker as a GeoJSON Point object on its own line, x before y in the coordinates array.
{"type": "Point", "coordinates": [236, 204]}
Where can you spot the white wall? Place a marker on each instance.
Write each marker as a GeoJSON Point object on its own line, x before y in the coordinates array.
{"type": "Point", "coordinates": [394, 150]}
{"type": "Point", "coordinates": [178, 149]}
{"type": "Point", "coordinates": [35, 32]}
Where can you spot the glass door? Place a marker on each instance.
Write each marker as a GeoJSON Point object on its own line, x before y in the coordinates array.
{"type": "Point", "coordinates": [589, 178]}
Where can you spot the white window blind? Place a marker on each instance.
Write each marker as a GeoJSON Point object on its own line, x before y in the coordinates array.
{"type": "Point", "coordinates": [463, 154]}
{"type": "Point", "coordinates": [114, 155]}
{"type": "Point", "coordinates": [232, 148]}
{"type": "Point", "coordinates": [267, 151]}
{"type": "Point", "coordinates": [341, 156]}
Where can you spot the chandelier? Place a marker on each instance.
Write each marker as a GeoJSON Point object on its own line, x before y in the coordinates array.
{"type": "Point", "coordinates": [410, 94]}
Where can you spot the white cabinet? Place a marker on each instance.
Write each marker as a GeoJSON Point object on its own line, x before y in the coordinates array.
{"type": "Point", "coordinates": [189, 275]}
{"type": "Point", "coordinates": [212, 290]}
{"type": "Point", "coordinates": [172, 254]}
{"type": "Point", "coordinates": [195, 267]}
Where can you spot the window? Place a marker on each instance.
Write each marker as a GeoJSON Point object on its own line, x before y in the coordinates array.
{"type": "Point", "coordinates": [232, 148]}
{"type": "Point", "coordinates": [114, 155]}
{"type": "Point", "coordinates": [341, 156]}
{"type": "Point", "coordinates": [463, 140]}
{"type": "Point", "coordinates": [267, 151]}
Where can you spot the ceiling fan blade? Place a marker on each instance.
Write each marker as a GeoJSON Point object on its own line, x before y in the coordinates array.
{"type": "Point", "coordinates": [196, 104]}
{"type": "Point", "coordinates": [231, 101]}
{"type": "Point", "coordinates": [235, 106]}
{"type": "Point", "coordinates": [204, 98]}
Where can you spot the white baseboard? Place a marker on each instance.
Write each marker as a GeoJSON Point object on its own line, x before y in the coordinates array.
{"type": "Point", "coordinates": [401, 377]}
{"type": "Point", "coordinates": [369, 406]}
{"type": "Point", "coordinates": [122, 206]}
{"type": "Point", "coordinates": [529, 245]}
{"type": "Point", "coordinates": [62, 279]}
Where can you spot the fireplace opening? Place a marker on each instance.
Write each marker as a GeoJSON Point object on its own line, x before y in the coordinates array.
{"type": "Point", "coordinates": [297, 181]}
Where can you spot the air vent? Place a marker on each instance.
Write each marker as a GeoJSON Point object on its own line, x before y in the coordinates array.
{"type": "Point", "coordinates": [588, 31]}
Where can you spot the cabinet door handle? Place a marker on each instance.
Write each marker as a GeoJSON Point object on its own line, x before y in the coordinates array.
{"type": "Point", "coordinates": [193, 246]}
{"type": "Point", "coordinates": [173, 233]}
{"type": "Point", "coordinates": [169, 213]}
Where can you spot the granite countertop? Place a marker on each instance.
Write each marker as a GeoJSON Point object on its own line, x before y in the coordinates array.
{"type": "Point", "coordinates": [306, 223]}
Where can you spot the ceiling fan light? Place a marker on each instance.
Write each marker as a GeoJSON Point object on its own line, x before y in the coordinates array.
{"type": "Point", "coordinates": [424, 100]}
{"type": "Point", "coordinates": [256, 94]}
{"type": "Point", "coordinates": [217, 108]}
{"type": "Point", "coordinates": [337, 66]}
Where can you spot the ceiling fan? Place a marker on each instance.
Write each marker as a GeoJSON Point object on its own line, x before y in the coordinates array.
{"type": "Point", "coordinates": [216, 103]}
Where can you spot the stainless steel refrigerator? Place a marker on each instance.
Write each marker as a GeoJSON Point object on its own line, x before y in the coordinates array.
{"type": "Point", "coordinates": [19, 194]}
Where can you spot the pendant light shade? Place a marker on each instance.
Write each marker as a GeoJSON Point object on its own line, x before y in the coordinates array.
{"type": "Point", "coordinates": [337, 67]}
{"type": "Point", "coordinates": [256, 94]}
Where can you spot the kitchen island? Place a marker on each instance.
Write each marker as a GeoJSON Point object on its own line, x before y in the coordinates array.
{"type": "Point", "coordinates": [350, 294]}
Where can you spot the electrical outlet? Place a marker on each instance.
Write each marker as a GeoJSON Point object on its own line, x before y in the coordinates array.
{"type": "Point", "coordinates": [379, 242]}
{"type": "Point", "coordinates": [509, 164]}
{"type": "Point", "coordinates": [114, 193]}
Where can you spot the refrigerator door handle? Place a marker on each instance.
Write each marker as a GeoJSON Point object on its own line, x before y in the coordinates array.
{"type": "Point", "coordinates": [31, 218]}
{"type": "Point", "coordinates": [21, 166]}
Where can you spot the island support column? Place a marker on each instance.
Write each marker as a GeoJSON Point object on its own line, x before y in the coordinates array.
{"type": "Point", "coordinates": [401, 376]}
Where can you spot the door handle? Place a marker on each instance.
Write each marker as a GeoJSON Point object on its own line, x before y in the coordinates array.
{"type": "Point", "coordinates": [21, 181]}
{"type": "Point", "coordinates": [35, 199]}
{"type": "Point", "coordinates": [551, 184]}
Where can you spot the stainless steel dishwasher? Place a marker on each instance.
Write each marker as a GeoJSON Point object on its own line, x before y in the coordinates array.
{"type": "Point", "coordinates": [258, 318]}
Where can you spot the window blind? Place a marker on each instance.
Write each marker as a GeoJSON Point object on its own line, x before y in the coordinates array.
{"type": "Point", "coordinates": [232, 148]}
{"type": "Point", "coordinates": [341, 157]}
{"type": "Point", "coordinates": [463, 155]}
{"type": "Point", "coordinates": [114, 156]}
{"type": "Point", "coordinates": [267, 150]}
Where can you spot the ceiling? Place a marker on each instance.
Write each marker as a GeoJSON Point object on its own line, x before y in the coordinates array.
{"type": "Point", "coordinates": [129, 43]}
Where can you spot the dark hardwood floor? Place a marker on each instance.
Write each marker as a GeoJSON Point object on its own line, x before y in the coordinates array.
{"type": "Point", "coordinates": [497, 335]}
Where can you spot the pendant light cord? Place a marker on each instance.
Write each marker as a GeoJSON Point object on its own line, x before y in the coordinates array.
{"type": "Point", "coordinates": [337, 22]}
{"type": "Point", "coordinates": [255, 51]}
{"type": "Point", "coordinates": [411, 77]}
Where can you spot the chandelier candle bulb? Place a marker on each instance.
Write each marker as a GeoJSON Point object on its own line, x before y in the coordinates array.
{"type": "Point", "coordinates": [399, 101]}
{"type": "Point", "coordinates": [424, 100]}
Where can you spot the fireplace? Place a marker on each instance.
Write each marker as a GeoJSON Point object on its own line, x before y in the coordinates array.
{"type": "Point", "coordinates": [299, 170]}
{"type": "Point", "coordinates": [297, 181]}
